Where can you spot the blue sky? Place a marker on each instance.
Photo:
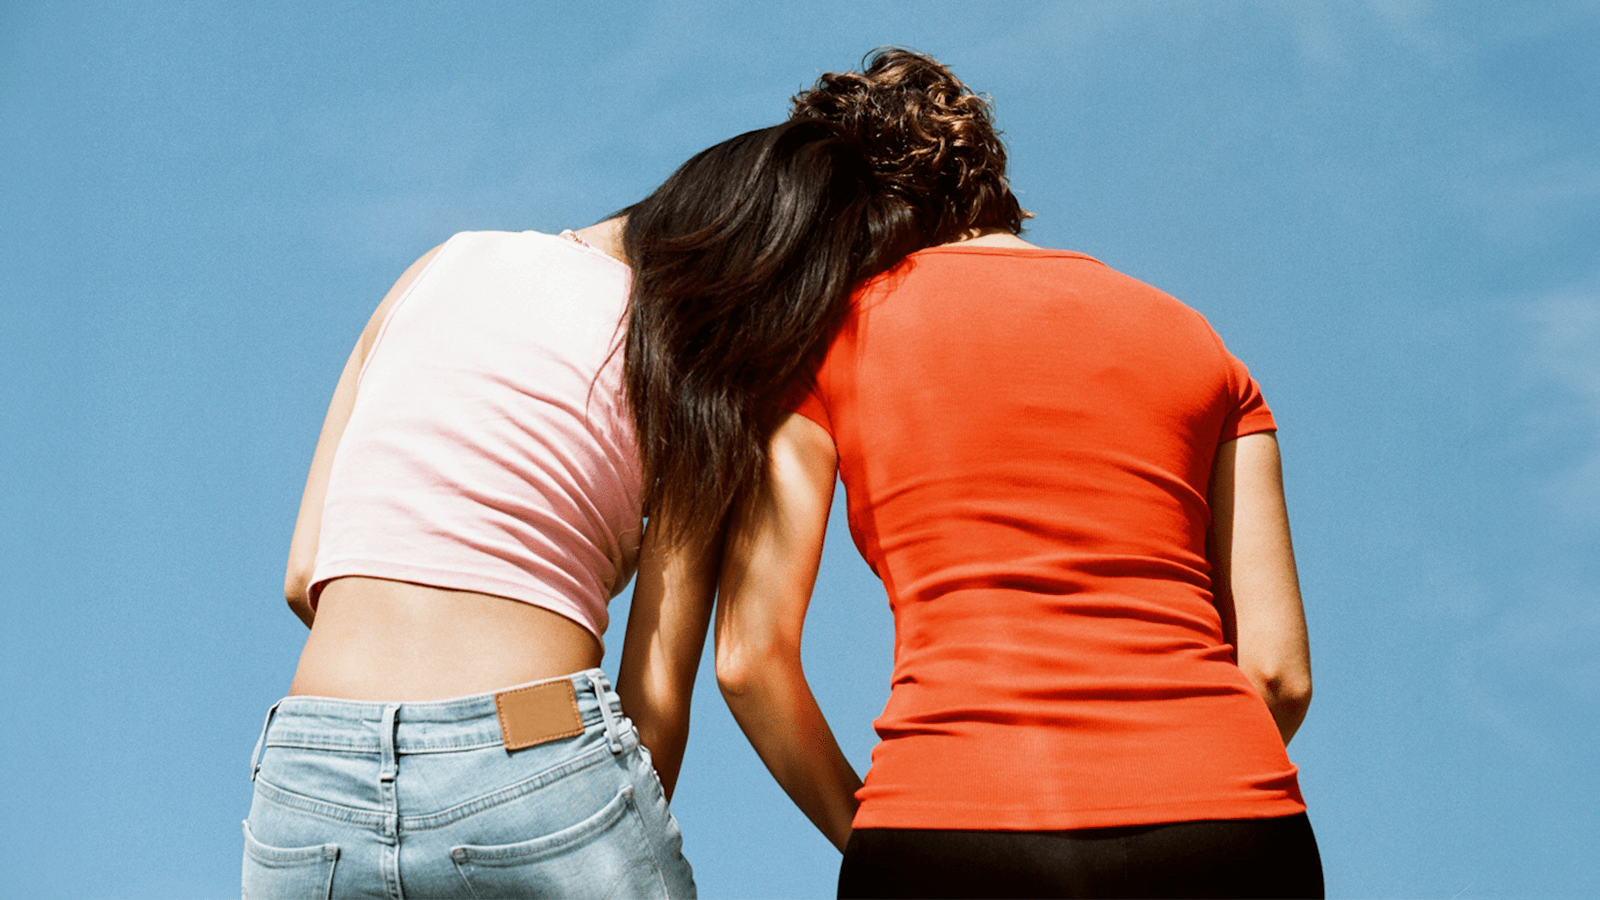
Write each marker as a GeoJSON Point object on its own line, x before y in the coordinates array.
{"type": "Point", "coordinates": [1389, 210]}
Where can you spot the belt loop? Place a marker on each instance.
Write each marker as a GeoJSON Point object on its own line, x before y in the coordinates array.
{"type": "Point", "coordinates": [386, 739]}
{"type": "Point", "coordinates": [261, 742]}
{"type": "Point", "coordinates": [613, 731]}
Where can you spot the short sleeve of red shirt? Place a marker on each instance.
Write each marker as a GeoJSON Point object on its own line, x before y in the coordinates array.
{"type": "Point", "coordinates": [803, 399]}
{"type": "Point", "coordinates": [1250, 413]}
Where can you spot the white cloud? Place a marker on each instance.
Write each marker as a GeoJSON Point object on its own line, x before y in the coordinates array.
{"type": "Point", "coordinates": [1563, 410]}
{"type": "Point", "coordinates": [1528, 663]}
{"type": "Point", "coordinates": [1532, 668]}
{"type": "Point", "coordinates": [1523, 184]}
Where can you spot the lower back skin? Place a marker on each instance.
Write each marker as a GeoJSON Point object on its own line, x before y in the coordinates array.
{"type": "Point", "coordinates": [380, 640]}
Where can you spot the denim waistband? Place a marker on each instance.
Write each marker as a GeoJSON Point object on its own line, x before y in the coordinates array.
{"type": "Point", "coordinates": [432, 726]}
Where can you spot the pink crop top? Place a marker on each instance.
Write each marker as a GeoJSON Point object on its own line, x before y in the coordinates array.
{"type": "Point", "coordinates": [490, 449]}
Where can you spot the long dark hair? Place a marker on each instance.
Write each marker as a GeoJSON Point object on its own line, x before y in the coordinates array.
{"type": "Point", "coordinates": [934, 147]}
{"type": "Point", "coordinates": [743, 264]}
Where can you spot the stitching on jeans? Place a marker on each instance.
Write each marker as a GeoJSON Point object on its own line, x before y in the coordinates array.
{"type": "Point", "coordinates": [510, 792]}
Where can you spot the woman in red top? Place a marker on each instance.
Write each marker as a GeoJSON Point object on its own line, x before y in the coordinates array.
{"type": "Point", "coordinates": [1072, 494]}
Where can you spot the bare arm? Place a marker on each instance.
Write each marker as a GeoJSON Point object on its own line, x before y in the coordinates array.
{"type": "Point", "coordinates": [769, 567]}
{"type": "Point", "coordinates": [308, 524]}
{"type": "Point", "coordinates": [1257, 588]}
{"type": "Point", "coordinates": [661, 653]}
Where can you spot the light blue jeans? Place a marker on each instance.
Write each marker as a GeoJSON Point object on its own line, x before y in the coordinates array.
{"type": "Point", "coordinates": [395, 800]}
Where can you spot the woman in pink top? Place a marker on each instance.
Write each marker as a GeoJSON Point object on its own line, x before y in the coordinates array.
{"type": "Point", "coordinates": [475, 499]}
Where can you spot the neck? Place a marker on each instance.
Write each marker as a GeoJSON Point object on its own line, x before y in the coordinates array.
{"type": "Point", "coordinates": [606, 237]}
{"type": "Point", "coordinates": [994, 237]}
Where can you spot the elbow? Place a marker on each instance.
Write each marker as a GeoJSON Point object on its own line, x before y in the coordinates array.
{"type": "Point", "coordinates": [298, 572]}
{"type": "Point", "coordinates": [300, 567]}
{"type": "Point", "coordinates": [1286, 689]}
{"type": "Point", "coordinates": [745, 668]}
{"type": "Point", "coordinates": [297, 593]}
{"type": "Point", "coordinates": [735, 671]}
{"type": "Point", "coordinates": [297, 587]}
{"type": "Point", "coordinates": [1288, 699]}
{"type": "Point", "coordinates": [1294, 696]}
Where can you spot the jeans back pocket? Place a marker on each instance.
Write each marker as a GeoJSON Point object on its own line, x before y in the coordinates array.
{"type": "Point", "coordinates": [607, 854]}
{"type": "Point", "coordinates": [297, 872]}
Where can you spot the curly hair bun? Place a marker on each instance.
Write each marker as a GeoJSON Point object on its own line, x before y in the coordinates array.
{"type": "Point", "coordinates": [931, 140]}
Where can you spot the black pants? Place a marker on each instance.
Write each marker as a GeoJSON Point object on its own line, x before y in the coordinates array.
{"type": "Point", "coordinates": [1222, 858]}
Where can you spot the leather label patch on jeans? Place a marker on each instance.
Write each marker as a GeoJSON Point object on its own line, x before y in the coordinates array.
{"type": "Point", "coordinates": [534, 715]}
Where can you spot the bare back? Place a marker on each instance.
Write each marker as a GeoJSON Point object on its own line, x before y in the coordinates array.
{"type": "Point", "coordinates": [391, 640]}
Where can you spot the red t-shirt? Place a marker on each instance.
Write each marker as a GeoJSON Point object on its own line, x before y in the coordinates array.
{"type": "Point", "coordinates": [1025, 437]}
